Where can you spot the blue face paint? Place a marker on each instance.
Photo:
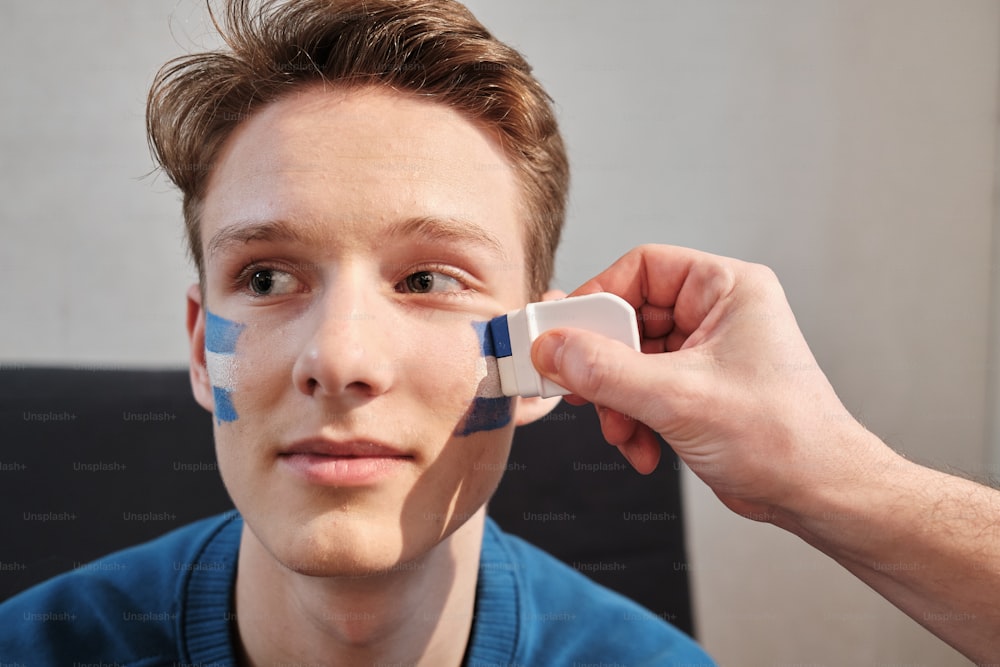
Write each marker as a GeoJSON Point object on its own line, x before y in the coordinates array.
{"type": "Point", "coordinates": [485, 336]}
{"type": "Point", "coordinates": [220, 357]}
{"type": "Point", "coordinates": [486, 414]}
{"type": "Point", "coordinates": [490, 409]}
{"type": "Point", "coordinates": [224, 410]}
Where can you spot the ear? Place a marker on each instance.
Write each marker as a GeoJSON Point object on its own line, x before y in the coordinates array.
{"type": "Point", "coordinates": [201, 386]}
{"type": "Point", "coordinates": [527, 410]}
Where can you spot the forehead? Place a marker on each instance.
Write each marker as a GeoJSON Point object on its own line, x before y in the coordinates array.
{"type": "Point", "coordinates": [361, 157]}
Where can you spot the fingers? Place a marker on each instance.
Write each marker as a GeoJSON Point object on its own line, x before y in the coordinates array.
{"type": "Point", "coordinates": [617, 428]}
{"type": "Point", "coordinates": [642, 451]}
{"type": "Point", "coordinates": [654, 321]}
{"type": "Point", "coordinates": [716, 334]}
{"type": "Point", "coordinates": [604, 372]}
{"type": "Point", "coordinates": [637, 443]}
{"type": "Point", "coordinates": [661, 281]}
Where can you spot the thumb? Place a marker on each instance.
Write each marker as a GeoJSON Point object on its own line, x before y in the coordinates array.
{"type": "Point", "coordinates": [603, 371]}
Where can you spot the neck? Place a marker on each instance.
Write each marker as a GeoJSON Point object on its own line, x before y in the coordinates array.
{"type": "Point", "coordinates": [418, 614]}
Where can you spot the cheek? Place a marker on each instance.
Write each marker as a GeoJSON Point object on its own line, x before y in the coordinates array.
{"type": "Point", "coordinates": [451, 376]}
{"type": "Point", "coordinates": [221, 336]}
{"type": "Point", "coordinates": [489, 409]}
{"type": "Point", "coordinates": [245, 364]}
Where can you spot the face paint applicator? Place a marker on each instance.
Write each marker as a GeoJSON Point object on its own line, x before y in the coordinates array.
{"type": "Point", "coordinates": [513, 333]}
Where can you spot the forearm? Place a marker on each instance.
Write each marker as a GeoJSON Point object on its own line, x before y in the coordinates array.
{"type": "Point", "coordinates": [740, 398]}
{"type": "Point", "coordinates": [927, 541]}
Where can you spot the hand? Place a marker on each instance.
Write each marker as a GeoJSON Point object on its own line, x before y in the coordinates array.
{"type": "Point", "coordinates": [725, 377]}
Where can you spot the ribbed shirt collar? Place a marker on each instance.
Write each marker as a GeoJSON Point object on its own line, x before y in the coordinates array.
{"type": "Point", "coordinates": [207, 620]}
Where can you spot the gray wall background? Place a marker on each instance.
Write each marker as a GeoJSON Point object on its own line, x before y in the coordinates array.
{"type": "Point", "coordinates": [849, 144]}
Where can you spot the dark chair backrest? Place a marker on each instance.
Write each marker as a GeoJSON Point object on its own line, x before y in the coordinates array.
{"type": "Point", "coordinates": [96, 460]}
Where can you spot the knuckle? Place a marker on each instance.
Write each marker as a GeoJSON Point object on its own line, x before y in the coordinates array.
{"type": "Point", "coordinates": [597, 373]}
{"type": "Point", "coordinates": [763, 273]}
{"type": "Point", "coordinates": [718, 278]}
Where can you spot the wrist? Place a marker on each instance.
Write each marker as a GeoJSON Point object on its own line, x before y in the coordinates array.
{"type": "Point", "coordinates": [839, 507]}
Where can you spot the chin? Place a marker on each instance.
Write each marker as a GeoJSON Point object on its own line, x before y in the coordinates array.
{"type": "Point", "coordinates": [329, 546]}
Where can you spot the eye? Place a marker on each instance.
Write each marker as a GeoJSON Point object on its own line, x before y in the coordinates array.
{"type": "Point", "coordinates": [429, 282]}
{"type": "Point", "coordinates": [269, 282]}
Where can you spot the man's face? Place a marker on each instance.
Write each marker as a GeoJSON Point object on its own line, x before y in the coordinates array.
{"type": "Point", "coordinates": [353, 240]}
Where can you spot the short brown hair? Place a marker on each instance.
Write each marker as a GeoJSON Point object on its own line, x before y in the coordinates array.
{"type": "Point", "coordinates": [432, 48]}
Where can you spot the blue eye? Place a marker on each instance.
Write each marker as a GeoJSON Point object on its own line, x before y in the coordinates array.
{"type": "Point", "coordinates": [429, 282]}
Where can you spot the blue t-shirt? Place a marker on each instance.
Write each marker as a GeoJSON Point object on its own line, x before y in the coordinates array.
{"type": "Point", "coordinates": [169, 603]}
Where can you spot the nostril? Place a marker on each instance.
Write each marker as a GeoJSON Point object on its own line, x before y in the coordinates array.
{"type": "Point", "coordinates": [360, 386]}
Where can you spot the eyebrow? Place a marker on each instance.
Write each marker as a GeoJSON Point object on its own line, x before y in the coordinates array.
{"type": "Point", "coordinates": [430, 228]}
{"type": "Point", "coordinates": [243, 233]}
{"type": "Point", "coordinates": [448, 230]}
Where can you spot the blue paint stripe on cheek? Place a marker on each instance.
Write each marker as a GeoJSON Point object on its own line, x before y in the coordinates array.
{"type": "Point", "coordinates": [486, 414]}
{"type": "Point", "coordinates": [221, 334]}
{"type": "Point", "coordinates": [492, 411]}
{"type": "Point", "coordinates": [485, 338]}
{"type": "Point", "coordinates": [224, 410]}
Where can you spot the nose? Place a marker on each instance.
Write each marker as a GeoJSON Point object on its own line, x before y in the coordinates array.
{"type": "Point", "coordinates": [346, 354]}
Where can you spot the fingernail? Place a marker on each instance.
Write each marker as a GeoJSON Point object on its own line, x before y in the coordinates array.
{"type": "Point", "coordinates": [548, 352]}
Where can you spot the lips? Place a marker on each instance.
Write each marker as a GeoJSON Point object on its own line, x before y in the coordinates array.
{"type": "Point", "coordinates": [343, 463]}
{"type": "Point", "coordinates": [349, 449]}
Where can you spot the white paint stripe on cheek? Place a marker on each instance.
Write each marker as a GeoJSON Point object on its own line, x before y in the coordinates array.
{"type": "Point", "coordinates": [221, 370]}
{"type": "Point", "coordinates": [487, 371]}
{"type": "Point", "coordinates": [488, 377]}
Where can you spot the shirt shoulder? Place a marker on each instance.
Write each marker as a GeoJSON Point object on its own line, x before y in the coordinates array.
{"type": "Point", "coordinates": [126, 608]}
{"type": "Point", "coordinates": [563, 617]}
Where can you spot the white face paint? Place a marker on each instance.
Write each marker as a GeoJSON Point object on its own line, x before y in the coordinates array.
{"type": "Point", "coordinates": [220, 361]}
{"type": "Point", "coordinates": [222, 369]}
{"type": "Point", "coordinates": [489, 409]}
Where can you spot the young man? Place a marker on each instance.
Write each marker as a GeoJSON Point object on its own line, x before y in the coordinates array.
{"type": "Point", "coordinates": [365, 185]}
